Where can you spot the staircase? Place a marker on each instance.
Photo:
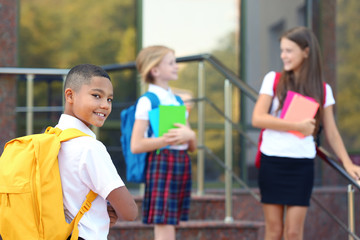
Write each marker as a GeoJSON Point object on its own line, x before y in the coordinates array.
{"type": "Point", "coordinates": [206, 221]}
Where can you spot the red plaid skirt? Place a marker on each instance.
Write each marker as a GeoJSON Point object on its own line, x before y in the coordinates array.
{"type": "Point", "coordinates": [167, 188]}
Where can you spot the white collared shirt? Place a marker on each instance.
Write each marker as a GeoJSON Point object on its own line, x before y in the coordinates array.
{"type": "Point", "coordinates": [285, 144]}
{"type": "Point", "coordinates": [85, 164]}
{"type": "Point", "coordinates": [166, 97]}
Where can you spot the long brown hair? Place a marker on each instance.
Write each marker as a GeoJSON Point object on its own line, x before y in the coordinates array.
{"type": "Point", "coordinates": [310, 80]}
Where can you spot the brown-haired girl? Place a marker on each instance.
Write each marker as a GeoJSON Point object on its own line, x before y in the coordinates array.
{"type": "Point", "coordinates": [286, 174]}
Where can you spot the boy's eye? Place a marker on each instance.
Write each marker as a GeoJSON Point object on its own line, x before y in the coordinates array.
{"type": "Point", "coordinates": [96, 95]}
{"type": "Point", "coordinates": [110, 100]}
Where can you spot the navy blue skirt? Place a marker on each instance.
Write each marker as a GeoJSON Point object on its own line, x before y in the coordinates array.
{"type": "Point", "coordinates": [286, 181]}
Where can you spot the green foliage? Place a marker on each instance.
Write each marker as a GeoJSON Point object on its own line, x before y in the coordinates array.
{"type": "Point", "coordinates": [64, 33]}
{"type": "Point", "coordinates": [348, 98]}
{"type": "Point", "coordinates": [60, 34]}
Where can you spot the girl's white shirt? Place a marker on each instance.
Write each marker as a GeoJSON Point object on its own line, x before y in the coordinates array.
{"type": "Point", "coordinates": [166, 97]}
{"type": "Point", "coordinates": [284, 144]}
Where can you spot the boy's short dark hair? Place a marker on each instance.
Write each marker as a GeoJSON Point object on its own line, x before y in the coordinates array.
{"type": "Point", "coordinates": [82, 74]}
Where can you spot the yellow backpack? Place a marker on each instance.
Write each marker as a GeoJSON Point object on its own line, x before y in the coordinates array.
{"type": "Point", "coordinates": [31, 201]}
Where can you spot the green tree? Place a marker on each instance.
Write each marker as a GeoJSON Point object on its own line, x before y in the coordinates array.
{"type": "Point", "coordinates": [64, 33]}
{"type": "Point", "coordinates": [348, 51]}
{"type": "Point", "coordinates": [60, 34]}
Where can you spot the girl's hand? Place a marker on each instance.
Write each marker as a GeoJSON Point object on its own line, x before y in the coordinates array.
{"type": "Point", "coordinates": [353, 170]}
{"type": "Point", "coordinates": [306, 127]}
{"type": "Point", "coordinates": [112, 215]}
{"type": "Point", "coordinates": [180, 135]}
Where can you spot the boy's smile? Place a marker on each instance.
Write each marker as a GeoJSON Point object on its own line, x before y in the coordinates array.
{"type": "Point", "coordinates": [92, 104]}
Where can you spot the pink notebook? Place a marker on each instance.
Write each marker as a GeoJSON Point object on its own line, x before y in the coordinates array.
{"type": "Point", "coordinates": [297, 108]}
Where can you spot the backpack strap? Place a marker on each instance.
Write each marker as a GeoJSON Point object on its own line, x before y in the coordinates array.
{"type": "Point", "coordinates": [155, 102]}
{"type": "Point", "coordinates": [66, 135]}
{"type": "Point", "coordinates": [71, 133]}
{"type": "Point", "coordinates": [179, 99]}
{"type": "Point", "coordinates": [90, 197]}
{"type": "Point", "coordinates": [276, 81]}
{"type": "Point", "coordinates": [324, 100]}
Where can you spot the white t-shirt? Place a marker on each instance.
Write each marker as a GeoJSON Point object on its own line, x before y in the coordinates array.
{"type": "Point", "coordinates": [284, 144]}
{"type": "Point", "coordinates": [85, 164]}
{"type": "Point", "coordinates": [166, 97]}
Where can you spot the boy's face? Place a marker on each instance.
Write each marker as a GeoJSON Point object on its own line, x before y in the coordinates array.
{"type": "Point", "coordinates": [92, 103]}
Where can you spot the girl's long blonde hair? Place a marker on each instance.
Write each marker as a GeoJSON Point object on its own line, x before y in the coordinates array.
{"type": "Point", "coordinates": [148, 58]}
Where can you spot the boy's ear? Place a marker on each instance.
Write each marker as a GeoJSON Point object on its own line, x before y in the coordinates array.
{"type": "Point", "coordinates": [69, 95]}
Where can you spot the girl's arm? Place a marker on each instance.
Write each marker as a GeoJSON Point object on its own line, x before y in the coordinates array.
{"type": "Point", "coordinates": [262, 119]}
{"type": "Point", "coordinates": [192, 141]}
{"type": "Point", "coordinates": [139, 143]}
{"type": "Point", "coordinates": [336, 143]}
{"type": "Point", "coordinates": [180, 135]}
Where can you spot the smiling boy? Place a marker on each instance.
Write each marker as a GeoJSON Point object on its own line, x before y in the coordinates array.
{"type": "Point", "coordinates": [84, 162]}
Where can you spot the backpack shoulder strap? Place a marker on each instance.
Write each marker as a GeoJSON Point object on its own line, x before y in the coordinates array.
{"type": "Point", "coordinates": [276, 81]}
{"type": "Point", "coordinates": [66, 134]}
{"type": "Point", "coordinates": [179, 99]}
{"type": "Point", "coordinates": [90, 197]}
{"type": "Point", "coordinates": [324, 100]}
{"type": "Point", "coordinates": [155, 102]}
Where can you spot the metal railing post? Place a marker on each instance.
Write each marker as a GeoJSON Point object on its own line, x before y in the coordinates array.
{"type": "Point", "coordinates": [30, 104]}
{"type": "Point", "coordinates": [228, 151]}
{"type": "Point", "coordinates": [201, 130]}
{"type": "Point", "coordinates": [351, 210]}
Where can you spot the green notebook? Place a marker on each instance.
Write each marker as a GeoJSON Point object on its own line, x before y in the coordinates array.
{"type": "Point", "coordinates": [162, 119]}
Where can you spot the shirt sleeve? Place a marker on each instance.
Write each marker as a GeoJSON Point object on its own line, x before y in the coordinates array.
{"type": "Point", "coordinates": [97, 170]}
{"type": "Point", "coordinates": [268, 83]}
{"type": "Point", "coordinates": [142, 108]}
{"type": "Point", "coordinates": [329, 100]}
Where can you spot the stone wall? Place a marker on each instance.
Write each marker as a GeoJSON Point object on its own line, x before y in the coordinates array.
{"type": "Point", "coordinates": [8, 58]}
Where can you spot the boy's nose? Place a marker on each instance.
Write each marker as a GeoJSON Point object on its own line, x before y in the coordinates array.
{"type": "Point", "coordinates": [105, 104]}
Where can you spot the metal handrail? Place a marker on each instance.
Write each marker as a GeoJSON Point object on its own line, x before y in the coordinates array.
{"type": "Point", "coordinates": [330, 160]}
{"type": "Point", "coordinates": [227, 73]}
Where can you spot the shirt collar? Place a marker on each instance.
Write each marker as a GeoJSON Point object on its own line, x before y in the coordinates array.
{"type": "Point", "coordinates": [67, 121]}
{"type": "Point", "coordinates": [159, 90]}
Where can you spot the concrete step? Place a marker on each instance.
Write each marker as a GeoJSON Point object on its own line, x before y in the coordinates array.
{"type": "Point", "coordinates": [208, 212]}
{"type": "Point", "coordinates": [211, 207]}
{"type": "Point", "coordinates": [192, 230]}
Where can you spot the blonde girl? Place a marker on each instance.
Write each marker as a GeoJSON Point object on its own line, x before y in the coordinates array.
{"type": "Point", "coordinates": [168, 174]}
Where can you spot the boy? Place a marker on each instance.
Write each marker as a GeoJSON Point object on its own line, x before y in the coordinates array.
{"type": "Point", "coordinates": [84, 162]}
